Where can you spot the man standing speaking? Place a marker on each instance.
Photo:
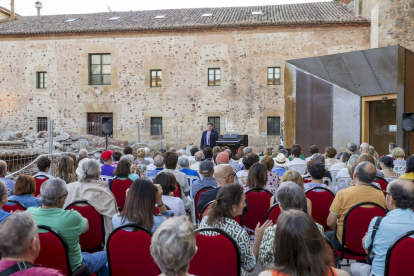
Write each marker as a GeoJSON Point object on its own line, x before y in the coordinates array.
{"type": "Point", "coordinates": [209, 137]}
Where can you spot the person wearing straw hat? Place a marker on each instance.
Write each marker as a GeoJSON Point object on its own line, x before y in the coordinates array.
{"type": "Point", "coordinates": [281, 163]}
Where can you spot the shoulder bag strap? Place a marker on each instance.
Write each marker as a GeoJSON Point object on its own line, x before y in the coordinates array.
{"type": "Point", "coordinates": [15, 268]}
{"type": "Point", "coordinates": [374, 232]}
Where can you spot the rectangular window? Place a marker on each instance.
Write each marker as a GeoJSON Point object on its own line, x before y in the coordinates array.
{"type": "Point", "coordinates": [214, 77]}
{"type": "Point", "coordinates": [216, 123]}
{"type": "Point", "coordinates": [94, 121]}
{"type": "Point", "coordinates": [41, 80]}
{"type": "Point", "coordinates": [273, 75]}
{"type": "Point", "coordinates": [156, 125]}
{"type": "Point", "coordinates": [100, 69]}
{"type": "Point", "coordinates": [41, 124]}
{"type": "Point", "coordinates": [273, 125]}
{"type": "Point", "coordinates": [156, 78]}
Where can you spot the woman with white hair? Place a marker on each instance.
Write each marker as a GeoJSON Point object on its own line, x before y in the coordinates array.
{"type": "Point", "coordinates": [3, 199]}
{"type": "Point", "coordinates": [89, 188]}
{"type": "Point", "coordinates": [173, 246]}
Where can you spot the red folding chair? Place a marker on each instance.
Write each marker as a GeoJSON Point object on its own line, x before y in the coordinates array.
{"type": "Point", "coordinates": [118, 188]}
{"type": "Point", "coordinates": [39, 181]}
{"type": "Point", "coordinates": [16, 206]}
{"type": "Point", "coordinates": [399, 257]}
{"type": "Point", "coordinates": [258, 204]}
{"type": "Point", "coordinates": [94, 239]}
{"type": "Point", "coordinates": [382, 182]}
{"type": "Point", "coordinates": [177, 191]}
{"type": "Point", "coordinates": [330, 249]}
{"type": "Point", "coordinates": [207, 207]}
{"type": "Point", "coordinates": [356, 223]}
{"type": "Point", "coordinates": [321, 199]}
{"type": "Point", "coordinates": [129, 252]}
{"type": "Point", "coordinates": [217, 254]}
{"type": "Point", "coordinates": [273, 213]}
{"type": "Point", "coordinates": [197, 197]}
{"type": "Point", "coordinates": [55, 252]}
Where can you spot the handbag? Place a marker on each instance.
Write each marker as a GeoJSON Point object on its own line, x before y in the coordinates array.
{"type": "Point", "coordinates": [370, 257]}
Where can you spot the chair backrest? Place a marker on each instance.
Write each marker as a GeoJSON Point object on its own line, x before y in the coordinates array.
{"type": "Point", "coordinates": [105, 178]}
{"type": "Point", "coordinates": [258, 203]}
{"type": "Point", "coordinates": [16, 206]}
{"type": "Point", "coordinates": [333, 174]}
{"type": "Point", "coordinates": [94, 238]}
{"type": "Point", "coordinates": [177, 191]}
{"type": "Point", "coordinates": [342, 183]}
{"type": "Point", "coordinates": [399, 256]}
{"type": "Point", "coordinates": [39, 181]}
{"type": "Point", "coordinates": [273, 213]}
{"type": "Point", "coordinates": [321, 199]}
{"type": "Point", "coordinates": [382, 182]}
{"type": "Point", "coordinates": [129, 252]}
{"type": "Point", "coordinates": [197, 197]}
{"type": "Point", "coordinates": [326, 181]}
{"type": "Point", "coordinates": [216, 255]}
{"type": "Point", "coordinates": [300, 168]}
{"type": "Point", "coordinates": [356, 223]}
{"type": "Point", "coordinates": [118, 188]}
{"type": "Point", "coordinates": [390, 178]}
{"type": "Point", "coordinates": [54, 251]}
{"type": "Point", "coordinates": [399, 168]}
{"type": "Point", "coordinates": [205, 209]}
{"type": "Point", "coordinates": [191, 179]}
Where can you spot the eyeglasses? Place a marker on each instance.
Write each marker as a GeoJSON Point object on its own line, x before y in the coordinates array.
{"type": "Point", "coordinates": [233, 174]}
{"type": "Point", "coordinates": [63, 196]}
{"type": "Point", "coordinates": [387, 193]}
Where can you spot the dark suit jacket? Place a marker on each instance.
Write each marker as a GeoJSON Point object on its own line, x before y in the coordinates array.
{"type": "Point", "coordinates": [206, 197]}
{"type": "Point", "coordinates": [213, 139]}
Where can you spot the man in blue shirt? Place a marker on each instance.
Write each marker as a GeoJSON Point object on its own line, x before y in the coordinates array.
{"type": "Point", "coordinates": [184, 163]}
{"type": "Point", "coordinates": [159, 166]}
{"type": "Point", "coordinates": [3, 200]}
{"type": "Point", "coordinates": [207, 171]}
{"type": "Point", "coordinates": [398, 221]}
{"type": "Point", "coordinates": [3, 172]}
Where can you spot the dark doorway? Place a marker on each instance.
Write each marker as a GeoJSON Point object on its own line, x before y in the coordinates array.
{"type": "Point", "coordinates": [94, 123]}
{"type": "Point", "coordinates": [382, 124]}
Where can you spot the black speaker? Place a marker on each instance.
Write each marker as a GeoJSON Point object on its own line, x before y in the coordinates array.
{"type": "Point", "coordinates": [107, 125]}
{"type": "Point", "coordinates": [408, 122]}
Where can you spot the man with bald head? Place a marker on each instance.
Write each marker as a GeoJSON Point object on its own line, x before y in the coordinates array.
{"type": "Point", "coordinates": [398, 221]}
{"type": "Point", "coordinates": [3, 173]}
{"type": "Point", "coordinates": [233, 164]}
{"type": "Point", "coordinates": [224, 175]}
{"type": "Point", "coordinates": [360, 191]}
{"type": "Point", "coordinates": [364, 148]}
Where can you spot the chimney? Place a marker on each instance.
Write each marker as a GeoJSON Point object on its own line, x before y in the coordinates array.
{"type": "Point", "coordinates": [38, 6]}
{"type": "Point", "coordinates": [12, 10]}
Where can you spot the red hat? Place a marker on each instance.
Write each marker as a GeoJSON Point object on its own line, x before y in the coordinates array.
{"type": "Point", "coordinates": [106, 155]}
{"type": "Point", "coordinates": [222, 157]}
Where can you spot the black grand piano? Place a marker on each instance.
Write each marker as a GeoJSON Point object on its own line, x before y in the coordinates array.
{"type": "Point", "coordinates": [233, 141]}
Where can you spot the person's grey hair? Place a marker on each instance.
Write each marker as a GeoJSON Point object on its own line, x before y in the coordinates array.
{"type": "Point", "coordinates": [128, 158]}
{"type": "Point", "coordinates": [363, 175]}
{"type": "Point", "coordinates": [171, 149]}
{"type": "Point", "coordinates": [183, 162]}
{"type": "Point", "coordinates": [16, 233]}
{"type": "Point", "coordinates": [353, 160]}
{"type": "Point", "coordinates": [352, 147]}
{"type": "Point", "coordinates": [147, 151]}
{"type": "Point", "coordinates": [403, 197]}
{"type": "Point", "coordinates": [173, 245]}
{"type": "Point", "coordinates": [158, 161]}
{"type": "Point", "coordinates": [3, 188]}
{"type": "Point", "coordinates": [91, 169]}
{"type": "Point", "coordinates": [83, 152]}
{"type": "Point", "coordinates": [291, 196]}
{"type": "Point", "coordinates": [318, 157]}
{"type": "Point", "coordinates": [182, 151]}
{"type": "Point", "coordinates": [247, 150]}
{"type": "Point", "coordinates": [52, 190]}
{"type": "Point", "coordinates": [284, 152]}
{"type": "Point", "coordinates": [198, 156]}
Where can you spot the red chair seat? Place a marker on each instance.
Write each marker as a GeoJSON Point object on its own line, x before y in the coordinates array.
{"type": "Point", "coordinates": [273, 213]}
{"type": "Point", "coordinates": [399, 256]}
{"type": "Point", "coordinates": [258, 204]}
{"type": "Point", "coordinates": [118, 188]}
{"type": "Point", "coordinates": [16, 206]}
{"type": "Point", "coordinates": [382, 182]}
{"type": "Point", "coordinates": [196, 199]}
{"type": "Point", "coordinates": [39, 181]}
{"type": "Point", "coordinates": [321, 199]}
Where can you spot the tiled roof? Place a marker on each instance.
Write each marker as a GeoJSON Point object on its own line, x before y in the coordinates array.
{"type": "Point", "coordinates": [178, 19]}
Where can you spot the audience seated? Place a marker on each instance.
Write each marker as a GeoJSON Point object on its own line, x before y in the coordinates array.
{"type": "Point", "coordinates": [23, 191]}
{"type": "Point", "coordinates": [398, 221]}
{"type": "Point", "coordinates": [128, 150]}
{"type": "Point", "coordinates": [198, 157]}
{"type": "Point", "coordinates": [330, 153]}
{"type": "Point", "coordinates": [216, 150]}
{"type": "Point", "coordinates": [159, 166]}
{"type": "Point", "coordinates": [140, 204]}
{"type": "Point", "coordinates": [243, 174]}
{"type": "Point", "coordinates": [184, 164]}
{"type": "Point", "coordinates": [19, 246]}
{"type": "Point", "coordinates": [369, 158]}
{"type": "Point", "coordinates": [272, 177]}
{"type": "Point", "coordinates": [147, 155]}
{"type": "Point", "coordinates": [255, 157]}
{"type": "Point", "coordinates": [43, 164]}
{"type": "Point", "coordinates": [173, 246]}
{"type": "Point", "coordinates": [409, 169]}
{"type": "Point", "coordinates": [69, 223]}
{"type": "Point", "coordinates": [232, 163]}
{"type": "Point", "coordinates": [208, 153]}
{"type": "Point", "coordinates": [300, 248]}
{"type": "Point", "coordinates": [344, 172]}
{"type": "Point", "coordinates": [359, 191]}
{"type": "Point", "coordinates": [391, 146]}
{"type": "Point", "coordinates": [224, 175]}
{"type": "Point", "coordinates": [373, 153]}
{"type": "Point", "coordinates": [116, 155]}
{"type": "Point", "coordinates": [3, 200]}
{"type": "Point", "coordinates": [312, 150]}
{"type": "Point", "coordinates": [246, 151]}
{"type": "Point", "coordinates": [83, 153]}
{"type": "Point", "coordinates": [240, 154]}
{"type": "Point", "coordinates": [89, 188]}
{"type": "Point", "coordinates": [300, 155]}
{"type": "Point", "coordinates": [281, 163]}
{"type": "Point", "coordinates": [3, 173]}
{"type": "Point", "coordinates": [321, 158]}
{"type": "Point", "coordinates": [364, 148]}
{"type": "Point", "coordinates": [169, 185]}
{"type": "Point", "coordinates": [317, 171]}
{"type": "Point", "coordinates": [124, 170]}
{"type": "Point", "coordinates": [171, 160]}
{"type": "Point", "coordinates": [140, 161]}
{"type": "Point", "coordinates": [398, 154]}
{"type": "Point", "coordinates": [107, 168]}
{"type": "Point", "coordinates": [207, 171]}
{"type": "Point", "coordinates": [257, 178]}
{"type": "Point", "coordinates": [342, 161]}
{"type": "Point", "coordinates": [295, 159]}
{"type": "Point", "coordinates": [386, 164]}
{"type": "Point", "coordinates": [230, 203]}
{"type": "Point", "coordinates": [66, 169]}
{"type": "Point", "coordinates": [290, 196]}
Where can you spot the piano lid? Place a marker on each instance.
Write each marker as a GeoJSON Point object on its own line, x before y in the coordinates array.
{"type": "Point", "coordinates": [229, 136]}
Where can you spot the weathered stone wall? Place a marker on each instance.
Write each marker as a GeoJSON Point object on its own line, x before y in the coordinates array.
{"type": "Point", "coordinates": [243, 101]}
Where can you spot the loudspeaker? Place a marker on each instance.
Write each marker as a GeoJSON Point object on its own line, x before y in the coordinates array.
{"type": "Point", "coordinates": [408, 122]}
{"type": "Point", "coordinates": [107, 125]}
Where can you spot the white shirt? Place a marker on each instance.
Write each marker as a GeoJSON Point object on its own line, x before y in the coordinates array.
{"type": "Point", "coordinates": [337, 166]}
{"type": "Point", "coordinates": [183, 182]}
{"type": "Point", "coordinates": [241, 174]}
{"type": "Point", "coordinates": [297, 161]}
{"type": "Point", "coordinates": [195, 166]}
{"type": "Point", "coordinates": [43, 174]}
{"type": "Point", "coordinates": [149, 159]}
{"type": "Point", "coordinates": [151, 167]}
{"type": "Point", "coordinates": [191, 159]}
{"type": "Point", "coordinates": [175, 204]}
{"type": "Point", "coordinates": [309, 158]}
{"type": "Point", "coordinates": [342, 173]}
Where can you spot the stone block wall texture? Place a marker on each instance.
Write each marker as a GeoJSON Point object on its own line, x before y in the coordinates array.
{"type": "Point", "coordinates": [243, 101]}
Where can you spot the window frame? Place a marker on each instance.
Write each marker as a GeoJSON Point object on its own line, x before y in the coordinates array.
{"type": "Point", "coordinates": [39, 123]}
{"type": "Point", "coordinates": [101, 64]}
{"type": "Point", "coordinates": [273, 76]}
{"type": "Point", "coordinates": [214, 76]}
{"type": "Point", "coordinates": [216, 122]}
{"type": "Point", "coordinates": [151, 124]}
{"type": "Point", "coordinates": [156, 77]}
{"type": "Point", "coordinates": [269, 130]}
{"type": "Point", "coordinates": [40, 81]}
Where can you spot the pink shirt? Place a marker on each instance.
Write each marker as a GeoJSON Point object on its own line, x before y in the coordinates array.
{"type": "Point", "coordinates": [33, 271]}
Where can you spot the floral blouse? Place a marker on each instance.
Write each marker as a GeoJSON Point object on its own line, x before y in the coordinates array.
{"type": "Point", "coordinates": [234, 230]}
{"type": "Point", "coordinates": [273, 181]}
{"type": "Point", "coordinates": [266, 255]}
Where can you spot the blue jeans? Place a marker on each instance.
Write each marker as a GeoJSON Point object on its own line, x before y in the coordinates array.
{"type": "Point", "coordinates": [331, 235]}
{"type": "Point", "coordinates": [96, 262]}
